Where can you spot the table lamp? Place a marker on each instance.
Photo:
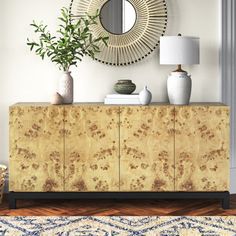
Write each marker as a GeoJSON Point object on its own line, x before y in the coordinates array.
{"type": "Point", "coordinates": [179, 50]}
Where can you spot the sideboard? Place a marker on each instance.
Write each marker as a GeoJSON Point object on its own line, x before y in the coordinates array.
{"type": "Point", "coordinates": [110, 151]}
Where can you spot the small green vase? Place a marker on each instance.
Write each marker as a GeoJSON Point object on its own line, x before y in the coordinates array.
{"type": "Point", "coordinates": [124, 86]}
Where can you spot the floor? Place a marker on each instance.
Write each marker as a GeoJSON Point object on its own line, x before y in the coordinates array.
{"type": "Point", "coordinates": [118, 208]}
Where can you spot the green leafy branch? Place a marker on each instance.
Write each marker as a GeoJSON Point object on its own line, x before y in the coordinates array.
{"type": "Point", "coordinates": [75, 39]}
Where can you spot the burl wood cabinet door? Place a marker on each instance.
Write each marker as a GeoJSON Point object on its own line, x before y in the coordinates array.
{"type": "Point", "coordinates": [202, 148]}
{"type": "Point", "coordinates": [36, 148]}
{"type": "Point", "coordinates": [147, 148]}
{"type": "Point", "coordinates": [91, 148]}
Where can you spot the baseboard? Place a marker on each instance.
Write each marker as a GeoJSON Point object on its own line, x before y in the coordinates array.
{"type": "Point", "coordinates": [233, 180]}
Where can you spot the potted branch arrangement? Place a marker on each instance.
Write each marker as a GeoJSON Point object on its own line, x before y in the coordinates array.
{"type": "Point", "coordinates": [74, 39]}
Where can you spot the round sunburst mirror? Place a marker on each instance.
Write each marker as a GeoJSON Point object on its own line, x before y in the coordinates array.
{"type": "Point", "coordinates": [134, 27]}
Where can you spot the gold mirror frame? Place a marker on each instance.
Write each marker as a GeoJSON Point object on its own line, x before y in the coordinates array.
{"type": "Point", "coordinates": [137, 43]}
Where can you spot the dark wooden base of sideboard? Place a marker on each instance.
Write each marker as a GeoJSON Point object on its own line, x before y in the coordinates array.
{"type": "Point", "coordinates": [14, 196]}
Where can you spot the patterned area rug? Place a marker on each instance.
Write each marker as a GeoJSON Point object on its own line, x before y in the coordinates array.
{"type": "Point", "coordinates": [125, 226]}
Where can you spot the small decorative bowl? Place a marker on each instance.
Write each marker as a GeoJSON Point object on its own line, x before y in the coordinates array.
{"type": "Point", "coordinates": [124, 86]}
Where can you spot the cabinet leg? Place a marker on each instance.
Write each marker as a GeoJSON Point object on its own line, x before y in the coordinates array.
{"type": "Point", "coordinates": [12, 201]}
{"type": "Point", "coordinates": [226, 201]}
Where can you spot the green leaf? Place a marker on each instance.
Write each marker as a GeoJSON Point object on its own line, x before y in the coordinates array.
{"type": "Point", "coordinates": [74, 39]}
{"type": "Point", "coordinates": [62, 19]}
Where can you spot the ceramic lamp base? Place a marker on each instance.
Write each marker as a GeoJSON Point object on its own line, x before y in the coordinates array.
{"type": "Point", "coordinates": [179, 85]}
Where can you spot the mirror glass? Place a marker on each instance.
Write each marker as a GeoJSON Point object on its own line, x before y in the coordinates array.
{"type": "Point", "coordinates": [118, 16]}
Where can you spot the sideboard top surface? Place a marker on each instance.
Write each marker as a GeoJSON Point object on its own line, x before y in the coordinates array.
{"type": "Point", "coordinates": [102, 104]}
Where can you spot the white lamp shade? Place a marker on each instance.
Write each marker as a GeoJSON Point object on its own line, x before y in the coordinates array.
{"type": "Point", "coordinates": [179, 50]}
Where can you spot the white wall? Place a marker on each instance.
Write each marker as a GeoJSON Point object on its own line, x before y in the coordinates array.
{"type": "Point", "coordinates": [24, 77]}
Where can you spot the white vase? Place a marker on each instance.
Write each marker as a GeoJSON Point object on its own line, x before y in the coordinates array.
{"type": "Point", "coordinates": [145, 96]}
{"type": "Point", "coordinates": [66, 87]}
{"type": "Point", "coordinates": [179, 86]}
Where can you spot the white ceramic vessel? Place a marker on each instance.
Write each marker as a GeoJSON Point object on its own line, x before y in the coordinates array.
{"type": "Point", "coordinates": [66, 87]}
{"type": "Point", "coordinates": [179, 85]}
{"type": "Point", "coordinates": [145, 96]}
